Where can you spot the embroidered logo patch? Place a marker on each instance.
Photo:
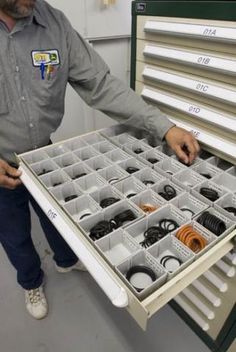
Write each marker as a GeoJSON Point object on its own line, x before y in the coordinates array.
{"type": "Point", "coordinates": [46, 57]}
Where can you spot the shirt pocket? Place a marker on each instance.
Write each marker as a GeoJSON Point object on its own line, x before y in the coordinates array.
{"type": "Point", "coordinates": [50, 90]}
{"type": "Point", "coordinates": [4, 109]}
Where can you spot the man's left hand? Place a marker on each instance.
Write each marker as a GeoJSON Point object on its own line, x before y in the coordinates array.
{"type": "Point", "coordinates": [183, 143]}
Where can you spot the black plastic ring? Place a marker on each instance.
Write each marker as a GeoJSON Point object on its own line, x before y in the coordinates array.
{"type": "Point", "coordinates": [140, 269]}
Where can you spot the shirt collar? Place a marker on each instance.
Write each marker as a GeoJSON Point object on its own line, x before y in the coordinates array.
{"type": "Point", "coordinates": [37, 17]}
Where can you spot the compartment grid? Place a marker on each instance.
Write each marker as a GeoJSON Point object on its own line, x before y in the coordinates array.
{"type": "Point", "coordinates": [105, 152]}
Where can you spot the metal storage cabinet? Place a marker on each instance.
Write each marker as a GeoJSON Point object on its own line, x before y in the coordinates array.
{"type": "Point", "coordinates": [183, 55]}
{"type": "Point", "coordinates": [89, 167]}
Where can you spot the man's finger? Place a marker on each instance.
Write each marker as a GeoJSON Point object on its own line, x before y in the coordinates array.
{"type": "Point", "coordinates": [181, 154]}
{"type": "Point", "coordinates": [197, 146]}
{"type": "Point", "coordinates": [11, 171]}
{"type": "Point", "coordinates": [189, 142]}
{"type": "Point", "coordinates": [8, 182]}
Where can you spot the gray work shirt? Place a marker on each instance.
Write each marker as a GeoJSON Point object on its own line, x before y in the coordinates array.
{"type": "Point", "coordinates": [32, 94]}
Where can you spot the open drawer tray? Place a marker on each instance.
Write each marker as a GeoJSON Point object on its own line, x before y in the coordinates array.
{"type": "Point", "coordinates": [104, 274]}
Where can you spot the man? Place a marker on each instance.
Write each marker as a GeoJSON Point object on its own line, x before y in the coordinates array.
{"type": "Point", "coordinates": [39, 53]}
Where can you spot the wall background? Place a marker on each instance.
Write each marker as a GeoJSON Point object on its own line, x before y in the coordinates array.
{"type": "Point", "coordinates": [108, 29]}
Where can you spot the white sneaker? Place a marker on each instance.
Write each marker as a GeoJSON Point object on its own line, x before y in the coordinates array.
{"type": "Point", "coordinates": [77, 266]}
{"type": "Point", "coordinates": [36, 303]}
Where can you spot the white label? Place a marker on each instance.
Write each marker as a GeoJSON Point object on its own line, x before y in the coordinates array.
{"type": "Point", "coordinates": [202, 87]}
{"type": "Point", "coordinates": [52, 214]}
{"type": "Point", "coordinates": [209, 31]}
{"type": "Point", "coordinates": [194, 109]}
{"type": "Point", "coordinates": [195, 133]}
{"type": "Point", "coordinates": [204, 60]}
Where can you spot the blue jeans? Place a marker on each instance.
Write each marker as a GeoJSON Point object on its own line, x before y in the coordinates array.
{"type": "Point", "coordinates": [15, 237]}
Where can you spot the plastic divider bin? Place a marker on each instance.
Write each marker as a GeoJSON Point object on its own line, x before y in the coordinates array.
{"type": "Point", "coordinates": [207, 170]}
{"type": "Point", "coordinates": [67, 192]}
{"type": "Point", "coordinates": [165, 149]}
{"type": "Point", "coordinates": [170, 167]}
{"type": "Point", "coordinates": [104, 147]}
{"type": "Point", "coordinates": [106, 192]}
{"type": "Point", "coordinates": [109, 213]}
{"type": "Point", "coordinates": [137, 147]}
{"type": "Point", "coordinates": [75, 143]}
{"type": "Point", "coordinates": [171, 246]}
{"type": "Point", "coordinates": [99, 162]}
{"type": "Point", "coordinates": [195, 162]}
{"type": "Point", "coordinates": [151, 157]}
{"type": "Point", "coordinates": [44, 167]}
{"type": "Point", "coordinates": [114, 130]}
{"type": "Point", "coordinates": [232, 171]}
{"type": "Point", "coordinates": [131, 163]}
{"type": "Point", "coordinates": [91, 183]}
{"type": "Point", "coordinates": [189, 205]}
{"type": "Point", "coordinates": [188, 178]}
{"type": "Point", "coordinates": [86, 153]}
{"type": "Point", "coordinates": [113, 174]}
{"type": "Point", "coordinates": [119, 129]}
{"type": "Point", "coordinates": [227, 201]}
{"type": "Point", "coordinates": [130, 187]}
{"type": "Point", "coordinates": [148, 176]}
{"type": "Point", "coordinates": [148, 199]}
{"type": "Point", "coordinates": [205, 154]}
{"type": "Point", "coordinates": [93, 138]}
{"type": "Point", "coordinates": [35, 157]}
{"type": "Point", "coordinates": [117, 246]}
{"type": "Point", "coordinates": [65, 160]}
{"type": "Point", "coordinates": [56, 150]}
{"type": "Point", "coordinates": [229, 223]}
{"type": "Point", "coordinates": [226, 180]}
{"type": "Point", "coordinates": [212, 186]}
{"type": "Point", "coordinates": [143, 258]}
{"type": "Point", "coordinates": [168, 211]}
{"type": "Point", "coordinates": [207, 235]}
{"type": "Point", "coordinates": [55, 178]}
{"type": "Point", "coordinates": [117, 155]}
{"type": "Point", "coordinates": [82, 207]}
{"type": "Point", "coordinates": [122, 139]}
{"type": "Point", "coordinates": [160, 188]}
{"type": "Point", "coordinates": [78, 170]}
{"type": "Point", "coordinates": [220, 163]}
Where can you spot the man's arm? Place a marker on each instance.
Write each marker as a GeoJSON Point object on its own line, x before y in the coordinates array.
{"type": "Point", "coordinates": [91, 79]}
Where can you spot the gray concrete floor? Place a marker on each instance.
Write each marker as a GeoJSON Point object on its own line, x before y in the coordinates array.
{"type": "Point", "coordinates": [80, 317]}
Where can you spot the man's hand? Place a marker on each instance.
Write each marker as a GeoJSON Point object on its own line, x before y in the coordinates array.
{"type": "Point", "coordinates": [9, 176]}
{"type": "Point", "coordinates": [183, 144]}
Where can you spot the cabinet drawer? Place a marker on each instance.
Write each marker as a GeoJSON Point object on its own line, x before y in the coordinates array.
{"type": "Point", "coordinates": [42, 173]}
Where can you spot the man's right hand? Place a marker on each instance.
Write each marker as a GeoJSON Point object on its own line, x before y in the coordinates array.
{"type": "Point", "coordinates": [9, 176]}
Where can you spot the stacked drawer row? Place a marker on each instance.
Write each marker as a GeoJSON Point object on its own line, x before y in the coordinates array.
{"type": "Point", "coordinates": [187, 68]}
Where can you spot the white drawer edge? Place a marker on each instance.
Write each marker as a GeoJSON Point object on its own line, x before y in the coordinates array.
{"type": "Point", "coordinates": [201, 87]}
{"type": "Point", "coordinates": [203, 60]}
{"type": "Point", "coordinates": [193, 109]}
{"type": "Point", "coordinates": [214, 141]}
{"type": "Point", "coordinates": [208, 32]}
{"type": "Point", "coordinates": [114, 291]}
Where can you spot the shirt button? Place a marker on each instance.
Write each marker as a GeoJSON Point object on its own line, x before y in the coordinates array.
{"type": "Point", "coordinates": [10, 36]}
{"type": "Point", "coordinates": [23, 98]}
{"type": "Point", "coordinates": [17, 68]}
{"type": "Point", "coordinates": [31, 125]}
